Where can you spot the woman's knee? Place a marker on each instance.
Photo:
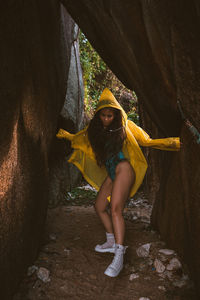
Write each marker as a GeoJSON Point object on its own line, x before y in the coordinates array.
{"type": "Point", "coordinates": [99, 208]}
{"type": "Point", "coordinates": [105, 191]}
{"type": "Point", "coordinates": [116, 211]}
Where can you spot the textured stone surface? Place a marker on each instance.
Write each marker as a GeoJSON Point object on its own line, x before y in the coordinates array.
{"type": "Point", "coordinates": [64, 176]}
{"type": "Point", "coordinates": [36, 38]}
{"type": "Point", "coordinates": [73, 106]}
{"type": "Point", "coordinates": [153, 47]}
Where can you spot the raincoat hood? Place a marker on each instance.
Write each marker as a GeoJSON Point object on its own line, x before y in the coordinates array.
{"type": "Point", "coordinates": [108, 100]}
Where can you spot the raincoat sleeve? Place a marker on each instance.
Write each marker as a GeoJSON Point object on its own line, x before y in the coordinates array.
{"type": "Point", "coordinates": [143, 139]}
{"type": "Point", "coordinates": [63, 134]}
{"type": "Point", "coordinates": [83, 157]}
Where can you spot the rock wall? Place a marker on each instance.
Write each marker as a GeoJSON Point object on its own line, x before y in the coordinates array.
{"type": "Point", "coordinates": [64, 176]}
{"type": "Point", "coordinates": [153, 48]}
{"type": "Point", "coordinates": [36, 39]}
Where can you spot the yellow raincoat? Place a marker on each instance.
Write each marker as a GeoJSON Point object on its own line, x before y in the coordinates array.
{"type": "Point", "coordinates": [83, 156]}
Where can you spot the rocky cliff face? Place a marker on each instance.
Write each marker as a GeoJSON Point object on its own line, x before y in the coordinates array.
{"type": "Point", "coordinates": [153, 47]}
{"type": "Point", "coordinates": [36, 41]}
{"type": "Point", "coordinates": [63, 176]}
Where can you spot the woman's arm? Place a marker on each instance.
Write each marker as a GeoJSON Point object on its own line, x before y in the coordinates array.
{"type": "Point", "coordinates": [63, 134]}
{"type": "Point", "coordinates": [143, 139]}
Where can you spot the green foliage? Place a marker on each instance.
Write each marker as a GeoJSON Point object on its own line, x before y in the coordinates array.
{"type": "Point", "coordinates": [133, 116]}
{"type": "Point", "coordinates": [80, 196]}
{"type": "Point", "coordinates": [94, 71]}
{"type": "Point", "coordinates": [97, 76]}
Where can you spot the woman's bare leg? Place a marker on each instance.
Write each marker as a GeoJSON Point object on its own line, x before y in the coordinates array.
{"type": "Point", "coordinates": [124, 179]}
{"type": "Point", "coordinates": [102, 203]}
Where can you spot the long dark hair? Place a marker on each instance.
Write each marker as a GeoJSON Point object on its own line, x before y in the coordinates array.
{"type": "Point", "coordinates": [106, 142]}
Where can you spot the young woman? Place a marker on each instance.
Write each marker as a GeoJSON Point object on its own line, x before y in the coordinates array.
{"type": "Point", "coordinates": [107, 153]}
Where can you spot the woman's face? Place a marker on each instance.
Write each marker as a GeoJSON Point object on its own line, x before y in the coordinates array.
{"type": "Point", "coordinates": [106, 115]}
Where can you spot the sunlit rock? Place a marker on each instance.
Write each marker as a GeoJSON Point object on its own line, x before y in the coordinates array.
{"type": "Point", "coordinates": [143, 251]}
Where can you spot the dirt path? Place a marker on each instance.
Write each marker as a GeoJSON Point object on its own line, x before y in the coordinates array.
{"type": "Point", "coordinates": [77, 271]}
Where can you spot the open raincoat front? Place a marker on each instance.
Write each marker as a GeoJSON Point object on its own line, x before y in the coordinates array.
{"type": "Point", "coordinates": [83, 156]}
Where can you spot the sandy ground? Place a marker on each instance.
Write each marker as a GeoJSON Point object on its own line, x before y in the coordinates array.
{"type": "Point", "coordinates": [75, 271]}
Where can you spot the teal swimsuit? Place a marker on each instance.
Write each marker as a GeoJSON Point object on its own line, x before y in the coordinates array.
{"type": "Point", "coordinates": [112, 162]}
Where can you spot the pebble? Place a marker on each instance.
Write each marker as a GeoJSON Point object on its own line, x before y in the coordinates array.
{"type": "Point", "coordinates": [87, 187]}
{"type": "Point", "coordinates": [145, 220]}
{"type": "Point", "coordinates": [167, 274]}
{"type": "Point", "coordinates": [149, 262]}
{"type": "Point", "coordinates": [160, 268]}
{"type": "Point", "coordinates": [144, 298]}
{"type": "Point", "coordinates": [162, 288]}
{"type": "Point", "coordinates": [70, 195]}
{"type": "Point", "coordinates": [31, 270]}
{"type": "Point", "coordinates": [43, 274]}
{"type": "Point", "coordinates": [143, 251]}
{"type": "Point", "coordinates": [132, 269]}
{"type": "Point", "coordinates": [67, 251]}
{"type": "Point", "coordinates": [37, 284]}
{"type": "Point", "coordinates": [52, 237]}
{"type": "Point", "coordinates": [174, 264]}
{"type": "Point", "coordinates": [181, 282]}
{"type": "Point", "coordinates": [162, 257]}
{"type": "Point", "coordinates": [133, 276]}
{"type": "Point", "coordinates": [167, 251]}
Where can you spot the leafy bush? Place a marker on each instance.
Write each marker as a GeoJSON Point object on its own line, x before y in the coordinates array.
{"type": "Point", "coordinates": [97, 76]}
{"type": "Point", "coordinates": [80, 196]}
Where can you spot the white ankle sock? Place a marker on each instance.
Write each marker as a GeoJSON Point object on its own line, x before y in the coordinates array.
{"type": "Point", "coordinates": [110, 238]}
{"type": "Point", "coordinates": [110, 235]}
{"type": "Point", "coordinates": [118, 246]}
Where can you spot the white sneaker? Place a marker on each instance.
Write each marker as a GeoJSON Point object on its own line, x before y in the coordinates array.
{"type": "Point", "coordinates": [116, 266]}
{"type": "Point", "coordinates": [106, 247]}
